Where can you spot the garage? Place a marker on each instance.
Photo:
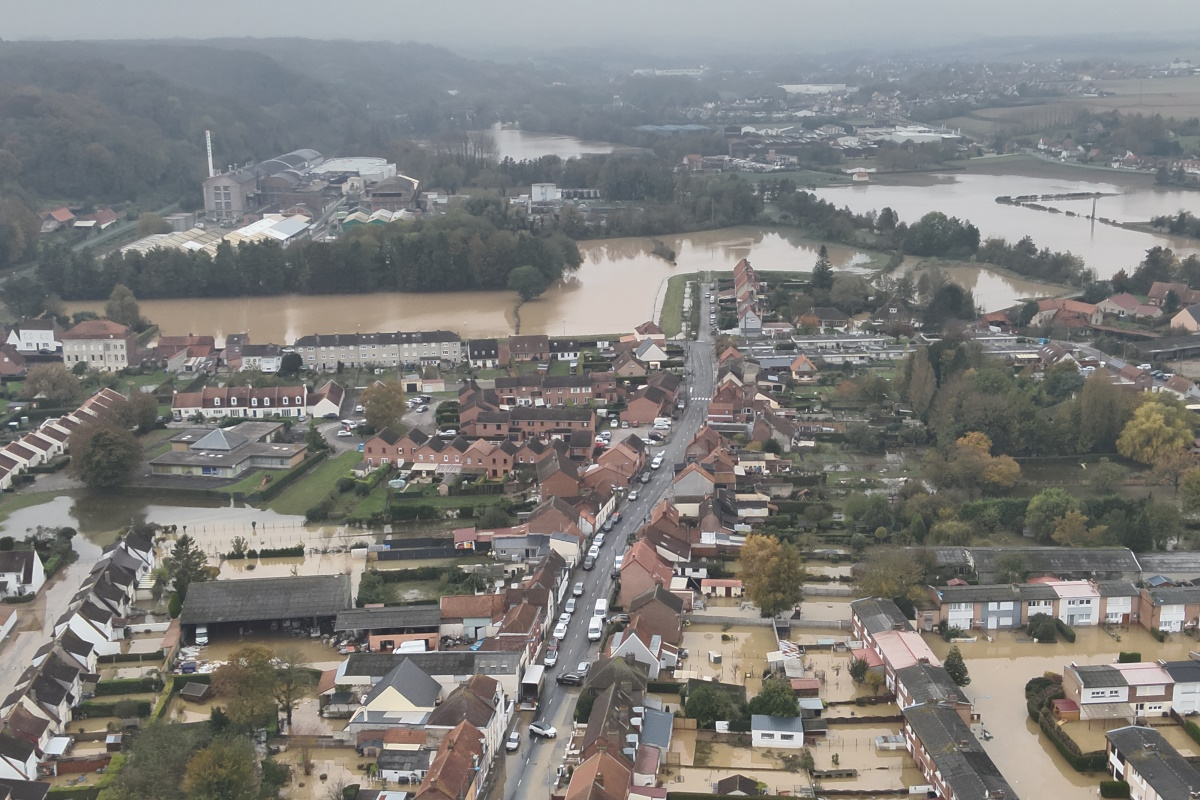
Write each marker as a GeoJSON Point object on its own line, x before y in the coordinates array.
{"type": "Point", "coordinates": [309, 603]}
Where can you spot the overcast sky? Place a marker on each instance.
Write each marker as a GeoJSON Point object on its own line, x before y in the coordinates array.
{"type": "Point", "coordinates": [554, 24]}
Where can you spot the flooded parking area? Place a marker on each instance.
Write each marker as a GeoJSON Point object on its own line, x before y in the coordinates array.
{"type": "Point", "coordinates": [999, 671]}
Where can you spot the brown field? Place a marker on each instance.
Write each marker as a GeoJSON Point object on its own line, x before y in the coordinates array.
{"type": "Point", "coordinates": [1171, 97]}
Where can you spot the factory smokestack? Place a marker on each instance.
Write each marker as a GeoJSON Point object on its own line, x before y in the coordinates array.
{"type": "Point", "coordinates": [208, 143]}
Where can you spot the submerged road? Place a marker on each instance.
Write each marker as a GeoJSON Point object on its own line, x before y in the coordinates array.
{"type": "Point", "coordinates": [530, 772]}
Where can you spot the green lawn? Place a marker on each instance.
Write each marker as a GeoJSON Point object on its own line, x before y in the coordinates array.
{"type": "Point", "coordinates": [672, 309]}
{"type": "Point", "coordinates": [373, 503]}
{"type": "Point", "coordinates": [253, 480]}
{"type": "Point", "coordinates": [316, 484]}
{"type": "Point", "coordinates": [559, 367]}
{"type": "Point", "coordinates": [132, 383]}
{"type": "Point", "coordinates": [15, 501]}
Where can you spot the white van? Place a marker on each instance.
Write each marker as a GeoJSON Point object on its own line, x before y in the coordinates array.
{"type": "Point", "coordinates": [201, 635]}
{"type": "Point", "coordinates": [595, 629]}
{"type": "Point", "coordinates": [601, 609]}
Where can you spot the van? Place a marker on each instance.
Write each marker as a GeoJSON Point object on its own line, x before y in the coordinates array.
{"type": "Point", "coordinates": [662, 422]}
{"type": "Point", "coordinates": [601, 609]}
{"type": "Point", "coordinates": [620, 560]}
{"type": "Point", "coordinates": [202, 635]}
{"type": "Point", "coordinates": [595, 629]}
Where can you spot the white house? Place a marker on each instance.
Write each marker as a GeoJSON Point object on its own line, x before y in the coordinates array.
{"type": "Point", "coordinates": [650, 354]}
{"type": "Point", "coordinates": [21, 572]}
{"type": "Point", "coordinates": [18, 758]}
{"type": "Point", "coordinates": [35, 335]}
{"type": "Point", "coordinates": [650, 650]}
{"type": "Point", "coordinates": [1186, 694]}
{"type": "Point", "coordinates": [782, 732]}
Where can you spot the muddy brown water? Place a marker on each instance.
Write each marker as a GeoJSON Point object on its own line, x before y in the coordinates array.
{"type": "Point", "coordinates": [999, 671]}
{"type": "Point", "coordinates": [1105, 248]}
{"type": "Point", "coordinates": [619, 285]}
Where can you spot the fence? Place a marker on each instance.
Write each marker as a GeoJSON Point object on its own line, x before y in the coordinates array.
{"type": "Point", "coordinates": [821, 590]}
{"type": "Point", "coordinates": [715, 619]}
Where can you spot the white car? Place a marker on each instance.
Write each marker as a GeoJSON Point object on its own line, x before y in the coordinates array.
{"type": "Point", "coordinates": [578, 590]}
{"type": "Point", "coordinates": [594, 552]}
{"type": "Point", "coordinates": [514, 741]}
{"type": "Point", "coordinates": [583, 667]}
{"type": "Point", "coordinates": [633, 496]}
{"type": "Point", "coordinates": [614, 424]}
{"type": "Point", "coordinates": [542, 729]}
{"type": "Point", "coordinates": [599, 540]}
{"type": "Point", "coordinates": [551, 657]}
{"type": "Point", "coordinates": [560, 630]}
{"type": "Point", "coordinates": [570, 606]}
{"type": "Point", "coordinates": [564, 617]}
{"type": "Point", "coordinates": [344, 433]}
{"type": "Point", "coordinates": [358, 409]}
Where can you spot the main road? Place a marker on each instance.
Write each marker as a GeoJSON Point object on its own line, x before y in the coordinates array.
{"type": "Point", "coordinates": [530, 771]}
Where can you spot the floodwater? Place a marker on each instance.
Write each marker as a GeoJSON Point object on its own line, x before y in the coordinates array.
{"type": "Point", "coordinates": [999, 671]}
{"type": "Point", "coordinates": [619, 286]}
{"type": "Point", "coordinates": [1104, 248]}
{"type": "Point", "coordinates": [522, 145]}
{"type": "Point", "coordinates": [994, 290]}
{"type": "Point", "coordinates": [743, 657]}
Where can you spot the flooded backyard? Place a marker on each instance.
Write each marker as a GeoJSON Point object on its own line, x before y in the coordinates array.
{"type": "Point", "coordinates": [999, 671]}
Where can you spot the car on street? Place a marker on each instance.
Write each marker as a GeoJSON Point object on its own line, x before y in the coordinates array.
{"type": "Point", "coordinates": [614, 424]}
{"type": "Point", "coordinates": [655, 436]}
{"type": "Point", "coordinates": [621, 618]}
{"type": "Point", "coordinates": [594, 551]}
{"type": "Point", "coordinates": [583, 668]}
{"type": "Point", "coordinates": [551, 657]}
{"type": "Point", "coordinates": [344, 433]}
{"type": "Point", "coordinates": [607, 526]}
{"type": "Point", "coordinates": [331, 415]}
{"type": "Point", "coordinates": [624, 423]}
{"type": "Point", "coordinates": [570, 679]}
{"type": "Point", "coordinates": [570, 606]}
{"type": "Point", "coordinates": [421, 409]}
{"type": "Point", "coordinates": [599, 540]}
{"type": "Point", "coordinates": [560, 630]}
{"type": "Point", "coordinates": [589, 561]}
{"type": "Point", "coordinates": [578, 590]}
{"type": "Point", "coordinates": [633, 496]}
{"type": "Point", "coordinates": [645, 477]}
{"type": "Point", "coordinates": [564, 617]}
{"type": "Point", "coordinates": [543, 729]}
{"type": "Point", "coordinates": [358, 409]}
{"type": "Point", "coordinates": [513, 742]}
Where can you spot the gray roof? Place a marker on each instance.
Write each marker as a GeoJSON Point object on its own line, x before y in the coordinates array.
{"type": "Point", "coordinates": [1175, 595]}
{"type": "Point", "coordinates": [879, 615]}
{"type": "Point", "coordinates": [362, 619]}
{"type": "Point", "coordinates": [1117, 588]}
{"type": "Point", "coordinates": [764, 722]}
{"type": "Point", "coordinates": [1099, 675]}
{"type": "Point", "coordinates": [968, 771]}
{"type": "Point", "coordinates": [410, 681]}
{"type": "Point", "coordinates": [951, 556]}
{"type": "Point", "coordinates": [1060, 560]}
{"type": "Point", "coordinates": [437, 662]}
{"type": "Point", "coordinates": [1183, 671]}
{"type": "Point", "coordinates": [404, 760]}
{"type": "Point", "coordinates": [926, 682]}
{"type": "Point", "coordinates": [1175, 561]}
{"type": "Point", "coordinates": [996, 592]}
{"type": "Point", "coordinates": [656, 728]}
{"type": "Point", "coordinates": [255, 599]}
{"type": "Point", "coordinates": [1162, 767]}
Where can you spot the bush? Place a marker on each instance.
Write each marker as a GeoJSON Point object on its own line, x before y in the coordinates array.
{"type": "Point", "coordinates": [1158, 634]}
{"type": "Point", "coordinates": [1042, 628]}
{"type": "Point", "coordinates": [664, 687]}
{"type": "Point", "coordinates": [281, 552]}
{"type": "Point", "coordinates": [127, 686]}
{"type": "Point", "coordinates": [1064, 630]}
{"type": "Point", "coordinates": [20, 598]}
{"type": "Point", "coordinates": [1114, 789]}
{"type": "Point", "coordinates": [344, 485]}
{"type": "Point", "coordinates": [1128, 657]}
{"type": "Point", "coordinates": [321, 511]}
{"type": "Point", "coordinates": [174, 605]}
{"type": "Point", "coordinates": [121, 708]}
{"type": "Point", "coordinates": [1193, 730]}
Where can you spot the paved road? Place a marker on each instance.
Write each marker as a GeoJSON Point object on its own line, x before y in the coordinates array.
{"type": "Point", "coordinates": [530, 772]}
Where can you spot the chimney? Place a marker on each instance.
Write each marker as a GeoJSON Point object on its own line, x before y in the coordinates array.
{"type": "Point", "coordinates": [208, 144]}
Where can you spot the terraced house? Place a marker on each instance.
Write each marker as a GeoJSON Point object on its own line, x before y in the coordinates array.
{"type": "Point", "coordinates": [324, 352]}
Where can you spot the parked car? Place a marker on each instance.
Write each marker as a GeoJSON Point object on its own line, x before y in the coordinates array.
{"type": "Point", "coordinates": [583, 668]}
{"type": "Point", "coordinates": [513, 742]}
{"type": "Point", "coordinates": [599, 540]}
{"type": "Point", "coordinates": [589, 561]}
{"type": "Point", "coordinates": [578, 590]}
{"type": "Point", "coordinates": [570, 679]}
{"type": "Point", "coordinates": [633, 496]}
{"type": "Point", "coordinates": [570, 606]}
{"type": "Point", "coordinates": [645, 477]}
{"type": "Point", "coordinates": [551, 656]}
{"type": "Point", "coordinates": [560, 630]}
{"type": "Point", "coordinates": [358, 409]}
{"type": "Point", "coordinates": [344, 433]}
{"type": "Point", "coordinates": [614, 424]}
{"type": "Point", "coordinates": [564, 617]}
{"type": "Point", "coordinates": [607, 526]}
{"type": "Point", "coordinates": [543, 729]}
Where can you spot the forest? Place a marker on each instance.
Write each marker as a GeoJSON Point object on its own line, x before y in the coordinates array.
{"type": "Point", "coordinates": [475, 247]}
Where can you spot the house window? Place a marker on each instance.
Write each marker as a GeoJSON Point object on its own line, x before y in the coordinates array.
{"type": "Point", "coordinates": [297, 401]}
{"type": "Point", "coordinates": [787, 737]}
{"type": "Point", "coordinates": [266, 401]}
{"type": "Point", "coordinates": [768, 736]}
{"type": "Point", "coordinates": [285, 401]}
{"type": "Point", "coordinates": [254, 401]}
{"type": "Point", "coordinates": [216, 401]}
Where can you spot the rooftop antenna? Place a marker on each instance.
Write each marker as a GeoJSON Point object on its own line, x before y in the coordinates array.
{"type": "Point", "coordinates": [208, 143]}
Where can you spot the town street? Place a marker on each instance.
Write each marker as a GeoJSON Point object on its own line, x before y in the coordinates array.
{"type": "Point", "coordinates": [533, 767]}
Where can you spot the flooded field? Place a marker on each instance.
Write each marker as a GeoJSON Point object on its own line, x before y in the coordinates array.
{"type": "Point", "coordinates": [826, 609]}
{"type": "Point", "coordinates": [742, 651]}
{"type": "Point", "coordinates": [999, 671]}
{"type": "Point", "coordinates": [313, 652]}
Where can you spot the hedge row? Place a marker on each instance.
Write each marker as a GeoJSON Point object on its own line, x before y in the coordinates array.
{"type": "Point", "coordinates": [268, 552]}
{"type": "Point", "coordinates": [1193, 730]}
{"type": "Point", "coordinates": [127, 686]}
{"type": "Point", "coordinates": [1129, 657]}
{"type": "Point", "coordinates": [665, 687]}
{"type": "Point", "coordinates": [119, 708]}
{"type": "Point", "coordinates": [73, 793]}
{"type": "Point", "coordinates": [121, 658]}
{"type": "Point", "coordinates": [1066, 747]}
{"type": "Point", "coordinates": [15, 599]}
{"type": "Point", "coordinates": [1158, 634]}
{"type": "Point", "coordinates": [413, 574]}
{"type": "Point", "coordinates": [277, 486]}
{"type": "Point", "coordinates": [1114, 789]}
{"type": "Point", "coordinates": [1064, 630]}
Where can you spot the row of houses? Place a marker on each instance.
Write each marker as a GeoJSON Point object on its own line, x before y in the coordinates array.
{"type": "Point", "coordinates": [221, 402]}
{"type": "Point", "coordinates": [35, 732]}
{"type": "Point", "coordinates": [52, 437]}
{"type": "Point", "coordinates": [988, 564]}
{"type": "Point", "coordinates": [937, 715]}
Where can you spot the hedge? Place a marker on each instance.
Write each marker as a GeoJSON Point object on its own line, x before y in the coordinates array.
{"type": "Point", "coordinates": [1158, 634]}
{"type": "Point", "coordinates": [276, 552]}
{"type": "Point", "coordinates": [1129, 657]}
{"type": "Point", "coordinates": [1066, 747]}
{"type": "Point", "coordinates": [1064, 630]}
{"type": "Point", "coordinates": [96, 708]}
{"type": "Point", "coordinates": [665, 687]}
{"type": "Point", "coordinates": [127, 686]}
{"type": "Point", "coordinates": [1114, 789]}
{"type": "Point", "coordinates": [73, 793]}
{"type": "Point", "coordinates": [412, 574]}
{"type": "Point", "coordinates": [1193, 730]}
{"type": "Point", "coordinates": [124, 658]}
{"type": "Point", "coordinates": [20, 598]}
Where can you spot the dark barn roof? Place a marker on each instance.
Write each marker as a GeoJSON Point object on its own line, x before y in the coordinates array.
{"type": "Point", "coordinates": [258, 599]}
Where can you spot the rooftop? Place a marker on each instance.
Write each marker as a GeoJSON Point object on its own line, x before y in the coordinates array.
{"type": "Point", "coordinates": [1168, 773]}
{"type": "Point", "coordinates": [966, 769]}
{"type": "Point", "coordinates": [361, 619]}
{"type": "Point", "coordinates": [255, 599]}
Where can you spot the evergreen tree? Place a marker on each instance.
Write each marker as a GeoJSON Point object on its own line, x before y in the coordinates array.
{"type": "Point", "coordinates": [957, 668]}
{"type": "Point", "coordinates": [822, 274]}
{"type": "Point", "coordinates": [917, 529]}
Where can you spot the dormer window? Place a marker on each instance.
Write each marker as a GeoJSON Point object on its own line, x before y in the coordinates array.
{"type": "Point", "coordinates": [254, 401]}
{"type": "Point", "coordinates": [216, 401]}
{"type": "Point", "coordinates": [298, 401]}
{"type": "Point", "coordinates": [233, 401]}
{"type": "Point", "coordinates": [285, 401]}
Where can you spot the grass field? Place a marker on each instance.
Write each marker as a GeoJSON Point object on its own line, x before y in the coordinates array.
{"type": "Point", "coordinates": [672, 308]}
{"type": "Point", "coordinates": [318, 482]}
{"type": "Point", "coordinates": [16, 501]}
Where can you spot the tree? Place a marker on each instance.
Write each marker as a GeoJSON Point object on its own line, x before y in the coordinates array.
{"type": "Point", "coordinates": [1045, 509]}
{"type": "Point", "coordinates": [1071, 530]}
{"type": "Point", "coordinates": [372, 589]}
{"type": "Point", "coordinates": [957, 668]}
{"type": "Point", "coordinates": [916, 529]}
{"type": "Point", "coordinates": [383, 405]}
{"type": "Point", "coordinates": [493, 517]}
{"type": "Point", "coordinates": [874, 681]}
{"type": "Point", "coordinates": [123, 307]}
{"type": "Point", "coordinates": [104, 455]}
{"type": "Point", "coordinates": [1190, 491]}
{"type": "Point", "coordinates": [139, 412]}
{"type": "Point", "coordinates": [922, 385]}
{"type": "Point", "coordinates": [315, 441]}
{"type": "Point", "coordinates": [24, 296]}
{"type": "Point", "coordinates": [1162, 520]}
{"type": "Point", "coordinates": [293, 680]}
{"type": "Point", "coordinates": [858, 669]}
{"type": "Point", "coordinates": [527, 281]}
{"type": "Point", "coordinates": [290, 364]}
{"type": "Point", "coordinates": [772, 574]}
{"type": "Point", "coordinates": [224, 770]}
{"type": "Point", "coordinates": [186, 565]}
{"type": "Point", "coordinates": [1103, 411]}
{"type": "Point", "coordinates": [1041, 628]}
{"type": "Point", "coordinates": [706, 705]}
{"type": "Point", "coordinates": [775, 699]}
{"type": "Point", "coordinates": [157, 760]}
{"type": "Point", "coordinates": [1159, 426]}
{"type": "Point", "coordinates": [52, 383]}
{"type": "Point", "coordinates": [150, 223]}
{"type": "Point", "coordinates": [1105, 476]}
{"type": "Point", "coordinates": [951, 532]}
{"type": "Point", "coordinates": [893, 573]}
{"type": "Point", "coordinates": [1170, 467]}
{"type": "Point", "coordinates": [247, 684]}
{"type": "Point", "coordinates": [822, 273]}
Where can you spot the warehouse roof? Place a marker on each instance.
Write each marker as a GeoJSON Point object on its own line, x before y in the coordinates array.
{"type": "Point", "coordinates": [254, 599]}
{"type": "Point", "coordinates": [365, 619]}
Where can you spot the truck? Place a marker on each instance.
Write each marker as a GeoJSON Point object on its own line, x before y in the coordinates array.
{"type": "Point", "coordinates": [595, 628]}
{"type": "Point", "coordinates": [601, 609]}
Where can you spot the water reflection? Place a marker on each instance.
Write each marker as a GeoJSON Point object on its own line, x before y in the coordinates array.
{"type": "Point", "coordinates": [522, 145]}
